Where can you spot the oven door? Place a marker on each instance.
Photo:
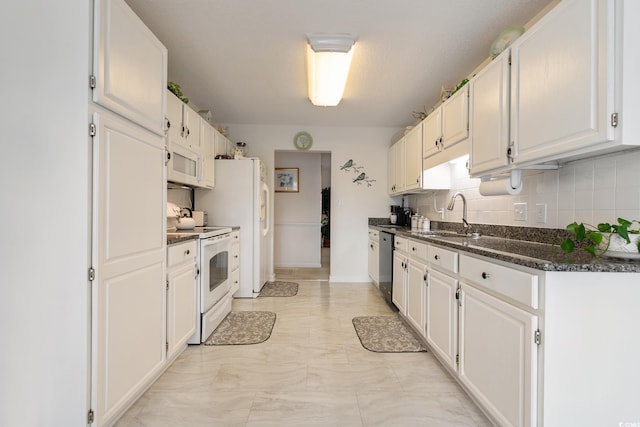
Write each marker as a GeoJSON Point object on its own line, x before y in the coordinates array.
{"type": "Point", "coordinates": [214, 270]}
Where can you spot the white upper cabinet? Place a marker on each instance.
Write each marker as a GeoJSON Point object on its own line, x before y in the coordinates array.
{"type": "Point", "coordinates": [563, 82]}
{"type": "Point", "coordinates": [129, 66]}
{"type": "Point", "coordinates": [413, 158]}
{"type": "Point", "coordinates": [432, 133]}
{"type": "Point", "coordinates": [445, 131]}
{"type": "Point", "coordinates": [490, 116]}
{"type": "Point", "coordinates": [391, 169]}
{"type": "Point", "coordinates": [455, 118]}
{"type": "Point", "coordinates": [184, 124]}
{"type": "Point", "coordinates": [573, 90]}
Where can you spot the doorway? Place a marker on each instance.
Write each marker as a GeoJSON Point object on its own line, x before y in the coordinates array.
{"type": "Point", "coordinates": [302, 218]}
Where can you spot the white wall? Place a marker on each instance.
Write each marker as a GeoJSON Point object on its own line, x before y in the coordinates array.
{"type": "Point", "coordinates": [297, 214]}
{"type": "Point", "coordinates": [351, 204]}
{"type": "Point", "coordinates": [592, 191]}
{"type": "Point", "coordinates": [44, 249]}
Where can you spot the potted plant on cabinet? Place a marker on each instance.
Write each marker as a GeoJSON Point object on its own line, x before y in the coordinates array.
{"type": "Point", "coordinates": [621, 240]}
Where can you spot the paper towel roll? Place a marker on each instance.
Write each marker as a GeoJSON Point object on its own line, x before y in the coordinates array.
{"type": "Point", "coordinates": [499, 187]}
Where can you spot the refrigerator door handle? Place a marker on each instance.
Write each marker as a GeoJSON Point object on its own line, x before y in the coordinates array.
{"type": "Point", "coordinates": [264, 208]}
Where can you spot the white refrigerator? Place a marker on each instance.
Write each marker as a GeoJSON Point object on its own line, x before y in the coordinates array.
{"type": "Point", "coordinates": [241, 198]}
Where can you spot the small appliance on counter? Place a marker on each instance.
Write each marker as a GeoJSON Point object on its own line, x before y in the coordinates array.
{"type": "Point", "coordinates": [200, 218]}
{"type": "Point", "coordinates": [402, 215]}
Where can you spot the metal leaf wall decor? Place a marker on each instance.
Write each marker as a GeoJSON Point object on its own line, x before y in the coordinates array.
{"type": "Point", "coordinates": [360, 176]}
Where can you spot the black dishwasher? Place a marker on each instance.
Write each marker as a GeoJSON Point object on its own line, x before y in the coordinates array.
{"type": "Point", "coordinates": [386, 266]}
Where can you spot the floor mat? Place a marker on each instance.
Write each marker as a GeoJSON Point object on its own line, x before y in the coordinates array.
{"type": "Point", "coordinates": [386, 334]}
{"type": "Point", "coordinates": [279, 289]}
{"type": "Point", "coordinates": [243, 327]}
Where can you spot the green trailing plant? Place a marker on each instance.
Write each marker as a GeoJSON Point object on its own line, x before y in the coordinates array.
{"type": "Point", "coordinates": [175, 89]}
{"type": "Point", "coordinates": [594, 236]}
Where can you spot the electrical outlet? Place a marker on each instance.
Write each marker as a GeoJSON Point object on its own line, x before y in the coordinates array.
{"type": "Point", "coordinates": [541, 213]}
{"type": "Point", "coordinates": [519, 211]}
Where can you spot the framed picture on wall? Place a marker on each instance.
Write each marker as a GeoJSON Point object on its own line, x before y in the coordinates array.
{"type": "Point", "coordinates": [286, 180]}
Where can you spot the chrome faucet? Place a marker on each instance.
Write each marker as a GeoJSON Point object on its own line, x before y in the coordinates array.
{"type": "Point", "coordinates": [452, 202]}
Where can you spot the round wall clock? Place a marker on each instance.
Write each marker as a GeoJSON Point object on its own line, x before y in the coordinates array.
{"type": "Point", "coordinates": [302, 141]}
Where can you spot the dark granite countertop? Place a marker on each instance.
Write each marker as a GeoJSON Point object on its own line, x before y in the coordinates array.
{"type": "Point", "coordinates": [530, 247]}
{"type": "Point", "coordinates": [172, 240]}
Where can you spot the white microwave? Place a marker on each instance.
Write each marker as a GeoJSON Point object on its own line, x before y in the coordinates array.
{"type": "Point", "coordinates": [184, 166]}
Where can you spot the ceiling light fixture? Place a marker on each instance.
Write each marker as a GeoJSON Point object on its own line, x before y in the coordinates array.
{"type": "Point", "coordinates": [328, 62]}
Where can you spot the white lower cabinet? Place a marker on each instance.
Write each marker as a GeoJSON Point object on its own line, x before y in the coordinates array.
{"type": "Point", "coordinates": [416, 294]}
{"type": "Point", "coordinates": [182, 287]}
{"type": "Point", "coordinates": [498, 356]}
{"type": "Point", "coordinates": [442, 317]}
{"type": "Point", "coordinates": [374, 256]}
{"type": "Point", "coordinates": [399, 287]}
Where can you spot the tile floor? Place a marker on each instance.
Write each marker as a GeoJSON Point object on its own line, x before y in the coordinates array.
{"type": "Point", "coordinates": [312, 371]}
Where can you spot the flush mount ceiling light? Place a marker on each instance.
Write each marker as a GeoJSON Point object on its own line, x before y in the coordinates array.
{"type": "Point", "coordinates": [328, 62]}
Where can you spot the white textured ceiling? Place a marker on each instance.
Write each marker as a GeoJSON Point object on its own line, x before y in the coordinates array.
{"type": "Point", "coordinates": [244, 59]}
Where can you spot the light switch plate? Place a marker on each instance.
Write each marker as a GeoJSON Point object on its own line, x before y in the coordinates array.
{"type": "Point", "coordinates": [519, 211]}
{"type": "Point", "coordinates": [541, 213]}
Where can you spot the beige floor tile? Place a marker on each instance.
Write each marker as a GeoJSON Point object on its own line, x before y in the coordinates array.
{"type": "Point", "coordinates": [305, 409]}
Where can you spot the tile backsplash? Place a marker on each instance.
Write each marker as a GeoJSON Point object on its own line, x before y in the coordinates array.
{"type": "Point", "coordinates": [594, 190]}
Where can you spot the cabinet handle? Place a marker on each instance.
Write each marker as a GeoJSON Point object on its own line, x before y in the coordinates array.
{"type": "Point", "coordinates": [168, 124]}
{"type": "Point", "coordinates": [413, 249]}
{"type": "Point", "coordinates": [235, 256]}
{"type": "Point", "coordinates": [436, 257]}
{"type": "Point", "coordinates": [168, 156]}
{"type": "Point", "coordinates": [418, 180]}
{"type": "Point", "coordinates": [187, 252]}
{"type": "Point", "coordinates": [485, 275]}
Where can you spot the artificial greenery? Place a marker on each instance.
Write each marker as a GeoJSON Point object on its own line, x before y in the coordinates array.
{"type": "Point", "coordinates": [175, 89]}
{"type": "Point", "coordinates": [594, 235]}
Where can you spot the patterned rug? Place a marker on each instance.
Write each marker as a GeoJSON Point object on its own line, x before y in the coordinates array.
{"type": "Point", "coordinates": [279, 289]}
{"type": "Point", "coordinates": [386, 334]}
{"type": "Point", "coordinates": [243, 327]}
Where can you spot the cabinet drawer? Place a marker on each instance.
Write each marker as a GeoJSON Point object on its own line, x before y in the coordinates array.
{"type": "Point", "coordinates": [374, 235]}
{"type": "Point", "coordinates": [400, 244]}
{"type": "Point", "coordinates": [515, 284]}
{"type": "Point", "coordinates": [181, 252]}
{"type": "Point", "coordinates": [417, 249]}
{"type": "Point", "coordinates": [443, 258]}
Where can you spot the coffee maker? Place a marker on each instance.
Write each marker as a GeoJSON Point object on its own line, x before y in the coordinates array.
{"type": "Point", "coordinates": [403, 215]}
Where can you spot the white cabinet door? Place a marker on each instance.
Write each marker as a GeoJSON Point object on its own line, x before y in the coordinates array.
{"type": "Point", "coordinates": [455, 118]}
{"type": "Point", "coordinates": [374, 261]}
{"type": "Point", "coordinates": [207, 142]}
{"type": "Point", "coordinates": [128, 292]}
{"type": "Point", "coordinates": [498, 357]}
{"type": "Point", "coordinates": [400, 165]}
{"type": "Point", "coordinates": [174, 119]}
{"type": "Point", "coordinates": [432, 134]}
{"type": "Point", "coordinates": [129, 66]}
{"type": "Point", "coordinates": [413, 158]}
{"type": "Point", "coordinates": [562, 81]}
{"type": "Point", "coordinates": [391, 169]}
{"type": "Point", "coordinates": [399, 292]}
{"type": "Point", "coordinates": [181, 307]}
{"type": "Point", "coordinates": [191, 128]}
{"type": "Point", "coordinates": [223, 145]}
{"type": "Point", "coordinates": [442, 317]}
{"type": "Point", "coordinates": [489, 112]}
{"type": "Point", "coordinates": [416, 295]}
